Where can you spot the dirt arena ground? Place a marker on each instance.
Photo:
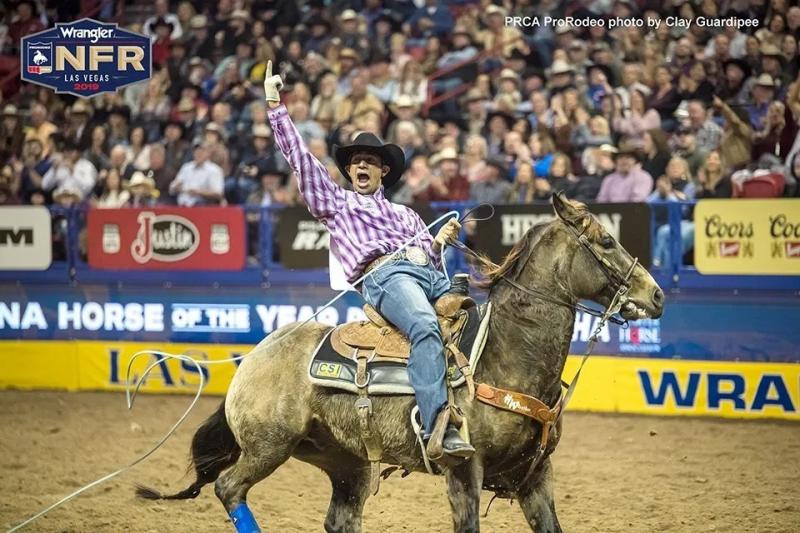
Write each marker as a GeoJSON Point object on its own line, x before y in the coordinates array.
{"type": "Point", "coordinates": [613, 473]}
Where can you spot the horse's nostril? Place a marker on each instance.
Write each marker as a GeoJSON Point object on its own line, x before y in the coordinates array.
{"type": "Point", "coordinates": [658, 296]}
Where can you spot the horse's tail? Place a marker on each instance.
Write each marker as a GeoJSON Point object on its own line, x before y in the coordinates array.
{"type": "Point", "coordinates": [214, 448]}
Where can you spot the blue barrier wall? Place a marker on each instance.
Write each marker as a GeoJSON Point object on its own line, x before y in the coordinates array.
{"type": "Point", "coordinates": [702, 325]}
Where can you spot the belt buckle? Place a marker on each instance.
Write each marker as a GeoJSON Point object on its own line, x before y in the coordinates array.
{"type": "Point", "coordinates": [416, 255]}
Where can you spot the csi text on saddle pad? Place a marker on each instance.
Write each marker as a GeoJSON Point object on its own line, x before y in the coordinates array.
{"type": "Point", "coordinates": [387, 373]}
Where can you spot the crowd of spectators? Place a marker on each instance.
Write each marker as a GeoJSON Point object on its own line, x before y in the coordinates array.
{"type": "Point", "coordinates": [627, 115]}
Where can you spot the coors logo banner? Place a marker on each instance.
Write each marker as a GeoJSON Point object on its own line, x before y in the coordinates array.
{"type": "Point", "coordinates": [628, 223]}
{"type": "Point", "coordinates": [198, 238]}
{"type": "Point", "coordinates": [303, 242]}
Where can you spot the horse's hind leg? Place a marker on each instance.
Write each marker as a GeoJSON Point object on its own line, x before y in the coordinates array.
{"type": "Point", "coordinates": [464, 484]}
{"type": "Point", "coordinates": [350, 491]}
{"type": "Point", "coordinates": [537, 502]}
{"type": "Point", "coordinates": [253, 466]}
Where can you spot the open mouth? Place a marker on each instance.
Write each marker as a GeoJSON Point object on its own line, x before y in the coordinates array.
{"type": "Point", "coordinates": [362, 178]}
{"type": "Point", "coordinates": [631, 310]}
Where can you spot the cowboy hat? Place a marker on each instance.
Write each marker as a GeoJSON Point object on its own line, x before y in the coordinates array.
{"type": "Point", "coordinates": [262, 130]}
{"type": "Point", "coordinates": [67, 190]}
{"type": "Point", "coordinates": [348, 14]}
{"type": "Point", "coordinates": [561, 67]}
{"type": "Point", "coordinates": [740, 63]}
{"type": "Point", "coordinates": [765, 80]}
{"type": "Point", "coordinates": [161, 21]}
{"type": "Point", "coordinates": [608, 148]}
{"type": "Point", "coordinates": [241, 14]}
{"type": "Point", "coordinates": [446, 154]}
{"type": "Point", "coordinates": [10, 110]}
{"type": "Point", "coordinates": [500, 165]}
{"type": "Point", "coordinates": [403, 101]}
{"type": "Point", "coordinates": [507, 118]}
{"type": "Point", "coordinates": [508, 74]}
{"type": "Point", "coordinates": [627, 148]}
{"type": "Point", "coordinates": [391, 155]}
{"type": "Point", "coordinates": [198, 22]}
{"type": "Point", "coordinates": [80, 107]}
{"type": "Point", "coordinates": [495, 10]}
{"type": "Point", "coordinates": [140, 180]}
{"type": "Point", "coordinates": [474, 95]}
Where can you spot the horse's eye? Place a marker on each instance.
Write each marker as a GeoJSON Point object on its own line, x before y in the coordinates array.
{"type": "Point", "coordinates": [607, 242]}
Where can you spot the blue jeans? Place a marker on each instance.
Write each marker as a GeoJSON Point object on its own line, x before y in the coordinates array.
{"type": "Point", "coordinates": [403, 293]}
{"type": "Point", "coordinates": [661, 251]}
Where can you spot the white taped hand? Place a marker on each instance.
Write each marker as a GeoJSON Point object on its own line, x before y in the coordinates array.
{"type": "Point", "coordinates": [272, 84]}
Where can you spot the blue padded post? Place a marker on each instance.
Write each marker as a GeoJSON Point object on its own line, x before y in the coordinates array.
{"type": "Point", "coordinates": [243, 520]}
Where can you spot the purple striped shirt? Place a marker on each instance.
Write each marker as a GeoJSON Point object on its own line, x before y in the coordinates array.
{"type": "Point", "coordinates": [362, 227]}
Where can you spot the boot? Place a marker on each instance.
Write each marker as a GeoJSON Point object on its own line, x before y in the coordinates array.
{"type": "Point", "coordinates": [454, 445]}
{"type": "Point", "coordinates": [459, 284]}
{"type": "Point", "coordinates": [446, 441]}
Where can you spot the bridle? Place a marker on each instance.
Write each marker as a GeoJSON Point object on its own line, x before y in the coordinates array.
{"type": "Point", "coordinates": [616, 278]}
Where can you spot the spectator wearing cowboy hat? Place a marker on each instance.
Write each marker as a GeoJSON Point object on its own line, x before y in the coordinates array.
{"type": "Point", "coordinates": [763, 94]}
{"type": "Point", "coordinates": [381, 82]}
{"type": "Point", "coordinates": [629, 183]}
{"type": "Point", "coordinates": [349, 60]}
{"type": "Point", "coordinates": [11, 132]}
{"type": "Point", "coordinates": [430, 20]}
{"type": "Point", "coordinates": [70, 170]}
{"type": "Point", "coordinates": [40, 127]}
{"type": "Point", "coordinates": [494, 188]}
{"type": "Point", "coordinates": [498, 38]}
{"type": "Point", "coordinates": [447, 183]}
{"type": "Point", "coordinates": [161, 170]}
{"type": "Point", "coordinates": [735, 83]}
{"type": "Point", "coordinates": [162, 42]}
{"type": "Point", "coordinates": [199, 182]}
{"type": "Point", "coordinates": [162, 15]}
{"type": "Point", "coordinates": [350, 32]}
{"type": "Point", "coordinates": [365, 227]}
{"type": "Point", "coordinates": [142, 190]}
{"type": "Point", "coordinates": [9, 186]}
{"type": "Point", "coordinates": [270, 191]}
{"type": "Point", "coordinates": [201, 42]}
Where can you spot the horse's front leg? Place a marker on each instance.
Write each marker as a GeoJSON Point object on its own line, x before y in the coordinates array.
{"type": "Point", "coordinates": [537, 502]}
{"type": "Point", "coordinates": [464, 484]}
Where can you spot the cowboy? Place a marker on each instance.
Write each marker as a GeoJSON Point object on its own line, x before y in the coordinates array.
{"type": "Point", "coordinates": [365, 229]}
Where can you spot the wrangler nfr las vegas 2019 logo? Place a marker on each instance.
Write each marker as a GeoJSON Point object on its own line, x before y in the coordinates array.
{"type": "Point", "coordinates": [85, 58]}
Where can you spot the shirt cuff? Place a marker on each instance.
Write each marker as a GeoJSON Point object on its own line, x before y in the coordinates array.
{"type": "Point", "coordinates": [276, 113]}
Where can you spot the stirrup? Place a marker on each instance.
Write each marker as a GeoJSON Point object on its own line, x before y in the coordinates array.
{"type": "Point", "coordinates": [435, 449]}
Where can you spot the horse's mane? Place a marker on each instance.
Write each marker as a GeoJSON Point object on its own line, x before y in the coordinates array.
{"type": "Point", "coordinates": [493, 273]}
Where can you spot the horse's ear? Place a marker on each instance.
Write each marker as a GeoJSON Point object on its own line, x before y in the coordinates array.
{"type": "Point", "coordinates": [563, 207]}
{"type": "Point", "coordinates": [571, 212]}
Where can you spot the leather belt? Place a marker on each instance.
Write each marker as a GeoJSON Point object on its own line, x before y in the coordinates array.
{"type": "Point", "coordinates": [412, 254]}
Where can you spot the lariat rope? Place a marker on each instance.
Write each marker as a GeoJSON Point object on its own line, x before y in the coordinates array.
{"type": "Point", "coordinates": [162, 356]}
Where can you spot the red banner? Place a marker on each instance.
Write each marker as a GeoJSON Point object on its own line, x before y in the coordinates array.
{"type": "Point", "coordinates": [196, 238]}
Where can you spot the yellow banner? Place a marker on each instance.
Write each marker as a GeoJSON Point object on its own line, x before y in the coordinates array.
{"type": "Point", "coordinates": [607, 384]}
{"type": "Point", "coordinates": [747, 237]}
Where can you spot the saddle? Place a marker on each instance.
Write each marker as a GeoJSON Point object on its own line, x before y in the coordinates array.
{"type": "Point", "coordinates": [380, 341]}
{"type": "Point", "coordinates": [370, 357]}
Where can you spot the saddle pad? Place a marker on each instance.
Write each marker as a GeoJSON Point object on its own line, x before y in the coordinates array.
{"type": "Point", "coordinates": [329, 369]}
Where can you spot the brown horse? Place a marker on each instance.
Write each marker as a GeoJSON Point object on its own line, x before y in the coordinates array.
{"type": "Point", "coordinates": [272, 412]}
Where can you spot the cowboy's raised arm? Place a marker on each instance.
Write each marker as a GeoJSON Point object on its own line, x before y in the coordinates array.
{"type": "Point", "coordinates": [322, 195]}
